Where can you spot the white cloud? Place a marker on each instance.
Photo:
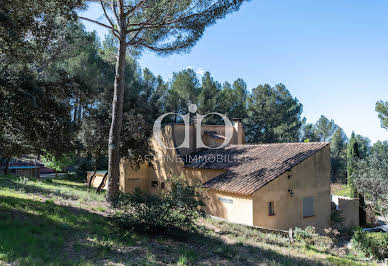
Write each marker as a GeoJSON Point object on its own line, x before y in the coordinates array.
{"type": "Point", "coordinates": [198, 70]}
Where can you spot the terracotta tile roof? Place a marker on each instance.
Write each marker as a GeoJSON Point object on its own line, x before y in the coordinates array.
{"type": "Point", "coordinates": [251, 166]}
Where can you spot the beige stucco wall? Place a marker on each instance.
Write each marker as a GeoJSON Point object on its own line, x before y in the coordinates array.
{"type": "Point", "coordinates": [237, 208]}
{"type": "Point", "coordinates": [133, 176]}
{"type": "Point", "coordinates": [96, 180]}
{"type": "Point", "coordinates": [310, 178]}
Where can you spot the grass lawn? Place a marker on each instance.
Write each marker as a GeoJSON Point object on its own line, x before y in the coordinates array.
{"type": "Point", "coordinates": [60, 222]}
{"type": "Point", "coordinates": [340, 190]}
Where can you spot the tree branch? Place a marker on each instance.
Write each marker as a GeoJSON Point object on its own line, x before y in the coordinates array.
{"type": "Point", "coordinates": [134, 8]}
{"type": "Point", "coordinates": [106, 14]}
{"type": "Point", "coordinates": [112, 5]}
{"type": "Point", "coordinates": [158, 49]}
{"type": "Point", "coordinates": [115, 32]}
{"type": "Point", "coordinates": [178, 19]}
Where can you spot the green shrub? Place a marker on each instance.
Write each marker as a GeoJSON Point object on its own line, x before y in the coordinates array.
{"type": "Point", "coordinates": [305, 234]}
{"type": "Point", "coordinates": [176, 208]}
{"type": "Point", "coordinates": [310, 237]}
{"type": "Point", "coordinates": [82, 165]}
{"type": "Point", "coordinates": [371, 243]}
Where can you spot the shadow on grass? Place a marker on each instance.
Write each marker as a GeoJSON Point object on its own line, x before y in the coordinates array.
{"type": "Point", "coordinates": [81, 187]}
{"type": "Point", "coordinates": [34, 232]}
{"type": "Point", "coordinates": [14, 183]}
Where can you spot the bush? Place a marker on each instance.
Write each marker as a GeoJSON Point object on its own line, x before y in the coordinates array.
{"type": "Point", "coordinates": [176, 208]}
{"type": "Point", "coordinates": [333, 234]}
{"type": "Point", "coordinates": [310, 237]}
{"type": "Point", "coordinates": [371, 243]}
{"type": "Point", "coordinates": [305, 234]}
{"type": "Point", "coordinates": [82, 165]}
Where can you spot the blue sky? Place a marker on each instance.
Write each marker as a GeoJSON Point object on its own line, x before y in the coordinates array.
{"type": "Point", "coordinates": [332, 55]}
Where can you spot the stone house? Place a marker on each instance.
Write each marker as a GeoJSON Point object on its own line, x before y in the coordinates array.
{"type": "Point", "coordinates": [275, 186]}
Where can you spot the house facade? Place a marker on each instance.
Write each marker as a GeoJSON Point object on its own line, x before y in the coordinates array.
{"type": "Point", "coordinates": [275, 186]}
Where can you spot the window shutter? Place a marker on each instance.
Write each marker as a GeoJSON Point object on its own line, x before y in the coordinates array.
{"type": "Point", "coordinates": [308, 206]}
{"type": "Point", "coordinates": [271, 210]}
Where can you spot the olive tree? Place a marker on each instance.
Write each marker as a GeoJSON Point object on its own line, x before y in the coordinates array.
{"type": "Point", "coordinates": [371, 180]}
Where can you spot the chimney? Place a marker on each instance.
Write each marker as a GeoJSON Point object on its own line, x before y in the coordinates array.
{"type": "Point", "coordinates": [240, 134]}
{"type": "Point", "coordinates": [195, 126]}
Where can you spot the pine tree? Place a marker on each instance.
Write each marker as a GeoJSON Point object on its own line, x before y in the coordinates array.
{"type": "Point", "coordinates": [382, 110]}
{"type": "Point", "coordinates": [338, 155]}
{"type": "Point", "coordinates": [352, 157]}
{"type": "Point", "coordinates": [161, 26]}
{"type": "Point", "coordinates": [273, 115]}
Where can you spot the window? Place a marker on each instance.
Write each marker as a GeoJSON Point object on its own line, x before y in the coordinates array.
{"type": "Point", "coordinates": [308, 207]}
{"type": "Point", "coordinates": [154, 184]}
{"type": "Point", "coordinates": [225, 200]}
{"type": "Point", "coordinates": [271, 208]}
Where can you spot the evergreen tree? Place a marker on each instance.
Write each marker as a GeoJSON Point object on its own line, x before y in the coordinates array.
{"type": "Point", "coordinates": [185, 89]}
{"type": "Point", "coordinates": [380, 149]}
{"type": "Point", "coordinates": [325, 128]}
{"type": "Point", "coordinates": [273, 115]}
{"type": "Point", "coordinates": [364, 146]}
{"type": "Point", "coordinates": [208, 99]}
{"type": "Point", "coordinates": [382, 110]}
{"type": "Point", "coordinates": [161, 26]}
{"type": "Point", "coordinates": [233, 100]}
{"type": "Point", "coordinates": [338, 155]}
{"type": "Point", "coordinates": [308, 132]}
{"type": "Point", "coordinates": [352, 157]}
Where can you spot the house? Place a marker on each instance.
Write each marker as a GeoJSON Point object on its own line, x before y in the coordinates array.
{"type": "Point", "coordinates": [276, 186]}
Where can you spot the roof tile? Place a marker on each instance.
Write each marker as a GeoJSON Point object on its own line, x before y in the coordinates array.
{"type": "Point", "coordinates": [251, 166]}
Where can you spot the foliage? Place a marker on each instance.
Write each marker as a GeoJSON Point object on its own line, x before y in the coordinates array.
{"type": "Point", "coordinates": [371, 243]}
{"type": "Point", "coordinates": [380, 149]}
{"type": "Point", "coordinates": [233, 99]}
{"type": "Point", "coordinates": [363, 146]}
{"type": "Point", "coordinates": [371, 181]}
{"type": "Point", "coordinates": [305, 234]}
{"type": "Point", "coordinates": [58, 163]}
{"type": "Point", "coordinates": [178, 207]}
{"type": "Point", "coordinates": [185, 88]}
{"type": "Point", "coordinates": [310, 237]}
{"type": "Point", "coordinates": [333, 233]}
{"type": "Point", "coordinates": [346, 191]}
{"type": "Point", "coordinates": [274, 115]}
{"type": "Point", "coordinates": [325, 128]}
{"type": "Point", "coordinates": [161, 26]}
{"type": "Point", "coordinates": [308, 133]}
{"type": "Point", "coordinates": [338, 155]}
{"type": "Point", "coordinates": [33, 116]}
{"type": "Point", "coordinates": [82, 165]}
{"type": "Point", "coordinates": [208, 99]}
{"type": "Point", "coordinates": [322, 130]}
{"type": "Point", "coordinates": [35, 111]}
{"type": "Point", "coordinates": [382, 110]}
{"type": "Point", "coordinates": [352, 155]}
{"type": "Point", "coordinates": [336, 217]}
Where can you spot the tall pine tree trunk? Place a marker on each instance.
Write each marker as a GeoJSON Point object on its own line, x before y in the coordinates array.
{"type": "Point", "coordinates": [6, 165]}
{"type": "Point", "coordinates": [117, 114]}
